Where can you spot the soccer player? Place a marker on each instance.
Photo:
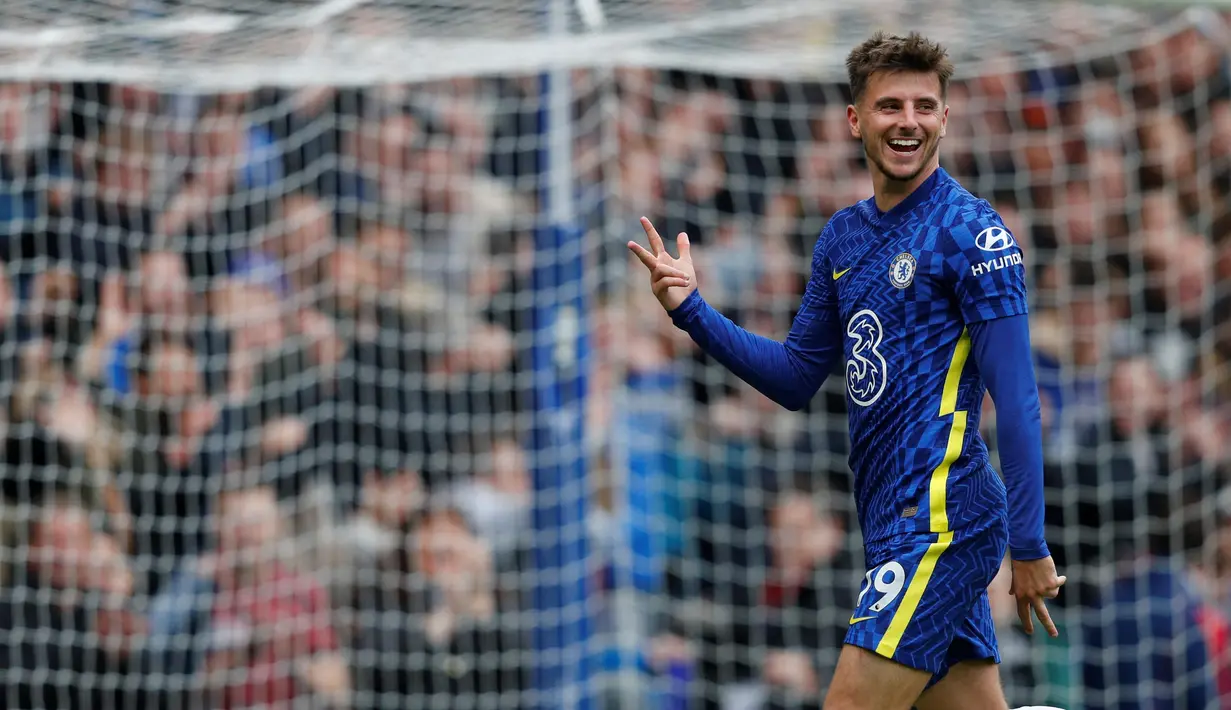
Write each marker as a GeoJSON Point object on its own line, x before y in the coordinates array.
{"type": "Point", "coordinates": [921, 288]}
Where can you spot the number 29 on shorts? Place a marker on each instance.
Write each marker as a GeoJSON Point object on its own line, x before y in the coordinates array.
{"type": "Point", "coordinates": [886, 582]}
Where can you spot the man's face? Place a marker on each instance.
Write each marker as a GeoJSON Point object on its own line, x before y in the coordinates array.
{"type": "Point", "coordinates": [801, 537]}
{"type": "Point", "coordinates": [69, 554]}
{"type": "Point", "coordinates": [900, 118]}
{"type": "Point", "coordinates": [164, 285]}
{"type": "Point", "coordinates": [176, 373]}
{"type": "Point", "coordinates": [309, 233]}
{"type": "Point", "coordinates": [794, 522]}
{"type": "Point", "coordinates": [249, 520]}
{"type": "Point", "coordinates": [450, 555]}
{"type": "Point", "coordinates": [1136, 395]}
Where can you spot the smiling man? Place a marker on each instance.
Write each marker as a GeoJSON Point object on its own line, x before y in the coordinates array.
{"type": "Point", "coordinates": [922, 289]}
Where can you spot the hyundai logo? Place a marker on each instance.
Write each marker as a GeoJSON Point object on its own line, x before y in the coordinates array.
{"type": "Point", "coordinates": [994, 239]}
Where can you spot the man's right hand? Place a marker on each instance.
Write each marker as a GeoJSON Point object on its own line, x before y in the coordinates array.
{"type": "Point", "coordinates": [671, 279]}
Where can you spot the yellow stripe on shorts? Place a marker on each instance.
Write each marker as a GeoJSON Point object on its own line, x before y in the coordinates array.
{"type": "Point", "coordinates": [918, 584]}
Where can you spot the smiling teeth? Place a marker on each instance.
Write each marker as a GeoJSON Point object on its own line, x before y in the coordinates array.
{"type": "Point", "coordinates": [904, 142]}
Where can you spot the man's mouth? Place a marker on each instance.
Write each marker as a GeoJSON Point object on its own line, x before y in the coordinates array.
{"type": "Point", "coordinates": [905, 146]}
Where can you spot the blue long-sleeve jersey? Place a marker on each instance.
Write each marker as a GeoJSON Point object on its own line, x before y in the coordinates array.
{"type": "Point", "coordinates": [927, 304]}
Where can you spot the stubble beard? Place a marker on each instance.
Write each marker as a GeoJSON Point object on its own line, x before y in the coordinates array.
{"type": "Point", "coordinates": [874, 158]}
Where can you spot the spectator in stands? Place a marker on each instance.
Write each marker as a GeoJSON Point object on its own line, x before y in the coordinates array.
{"type": "Point", "coordinates": [48, 317]}
{"type": "Point", "coordinates": [830, 175]}
{"type": "Point", "coordinates": [1211, 573]}
{"type": "Point", "coordinates": [247, 305]}
{"type": "Point", "coordinates": [806, 590]}
{"type": "Point", "coordinates": [1072, 341]}
{"type": "Point", "coordinates": [302, 237]}
{"type": "Point", "coordinates": [732, 261]}
{"type": "Point", "coordinates": [641, 188]}
{"type": "Point", "coordinates": [51, 420]}
{"type": "Point", "coordinates": [12, 349]}
{"type": "Point", "coordinates": [166, 429]}
{"type": "Point", "coordinates": [103, 358]}
{"type": "Point", "coordinates": [1118, 459]}
{"type": "Point", "coordinates": [1080, 219]}
{"type": "Point", "coordinates": [165, 300]}
{"type": "Point", "coordinates": [710, 606]}
{"type": "Point", "coordinates": [1143, 642]}
{"type": "Point", "coordinates": [448, 633]}
{"type": "Point", "coordinates": [271, 624]}
{"type": "Point", "coordinates": [1169, 158]}
{"type": "Point", "coordinates": [496, 500]}
{"type": "Point", "coordinates": [283, 370]}
{"type": "Point", "coordinates": [776, 646]}
{"type": "Point", "coordinates": [157, 300]}
{"type": "Point", "coordinates": [26, 121]}
{"type": "Point", "coordinates": [113, 220]}
{"type": "Point", "coordinates": [646, 430]}
{"type": "Point", "coordinates": [228, 183]}
{"type": "Point", "coordinates": [370, 306]}
{"type": "Point", "coordinates": [343, 549]}
{"type": "Point", "coordinates": [52, 311]}
{"type": "Point", "coordinates": [695, 181]}
{"type": "Point", "coordinates": [382, 181]}
{"type": "Point", "coordinates": [73, 582]}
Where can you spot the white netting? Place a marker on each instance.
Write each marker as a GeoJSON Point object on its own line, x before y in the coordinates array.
{"type": "Point", "coordinates": [223, 45]}
{"type": "Point", "coordinates": [277, 283]}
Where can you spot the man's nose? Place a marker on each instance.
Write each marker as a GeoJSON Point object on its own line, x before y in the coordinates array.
{"type": "Point", "coordinates": [908, 119]}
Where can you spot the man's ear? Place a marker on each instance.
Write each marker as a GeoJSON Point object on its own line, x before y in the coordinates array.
{"type": "Point", "coordinates": [852, 120]}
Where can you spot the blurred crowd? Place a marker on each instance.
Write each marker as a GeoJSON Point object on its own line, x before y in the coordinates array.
{"type": "Point", "coordinates": [268, 386]}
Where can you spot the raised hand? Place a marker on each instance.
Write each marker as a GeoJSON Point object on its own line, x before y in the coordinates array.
{"type": "Point", "coordinates": [671, 278]}
{"type": "Point", "coordinates": [114, 318]}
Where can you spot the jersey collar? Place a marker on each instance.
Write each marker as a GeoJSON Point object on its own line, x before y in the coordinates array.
{"type": "Point", "coordinates": [903, 208]}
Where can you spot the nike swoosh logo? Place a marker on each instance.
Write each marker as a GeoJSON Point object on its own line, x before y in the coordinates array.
{"type": "Point", "coordinates": [857, 619]}
{"type": "Point", "coordinates": [839, 274]}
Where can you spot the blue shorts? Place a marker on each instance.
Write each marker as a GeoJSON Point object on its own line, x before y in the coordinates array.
{"type": "Point", "coordinates": [923, 602]}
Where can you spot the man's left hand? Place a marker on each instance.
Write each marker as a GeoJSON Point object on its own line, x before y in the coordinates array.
{"type": "Point", "coordinates": [1033, 582]}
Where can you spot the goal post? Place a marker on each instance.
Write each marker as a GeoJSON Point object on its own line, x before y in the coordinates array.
{"type": "Point", "coordinates": [369, 255]}
{"type": "Point", "coordinates": [562, 487]}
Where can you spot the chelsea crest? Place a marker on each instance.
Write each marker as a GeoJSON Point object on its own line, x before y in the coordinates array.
{"type": "Point", "coordinates": [902, 270]}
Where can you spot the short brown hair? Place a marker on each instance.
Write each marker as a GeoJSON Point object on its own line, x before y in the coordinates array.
{"type": "Point", "coordinates": [886, 52]}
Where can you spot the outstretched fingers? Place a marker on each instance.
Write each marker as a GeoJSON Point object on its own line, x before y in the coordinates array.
{"type": "Point", "coordinates": [656, 242]}
{"type": "Point", "coordinates": [657, 267]}
{"type": "Point", "coordinates": [664, 270]}
{"type": "Point", "coordinates": [1023, 615]}
{"type": "Point", "coordinates": [646, 257]}
{"type": "Point", "coordinates": [1026, 605]}
{"type": "Point", "coordinates": [1040, 610]}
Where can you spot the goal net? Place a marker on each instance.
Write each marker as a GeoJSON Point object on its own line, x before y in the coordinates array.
{"type": "Point", "coordinates": [328, 381]}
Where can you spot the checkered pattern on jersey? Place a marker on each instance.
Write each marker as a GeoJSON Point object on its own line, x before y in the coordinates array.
{"type": "Point", "coordinates": [901, 338]}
